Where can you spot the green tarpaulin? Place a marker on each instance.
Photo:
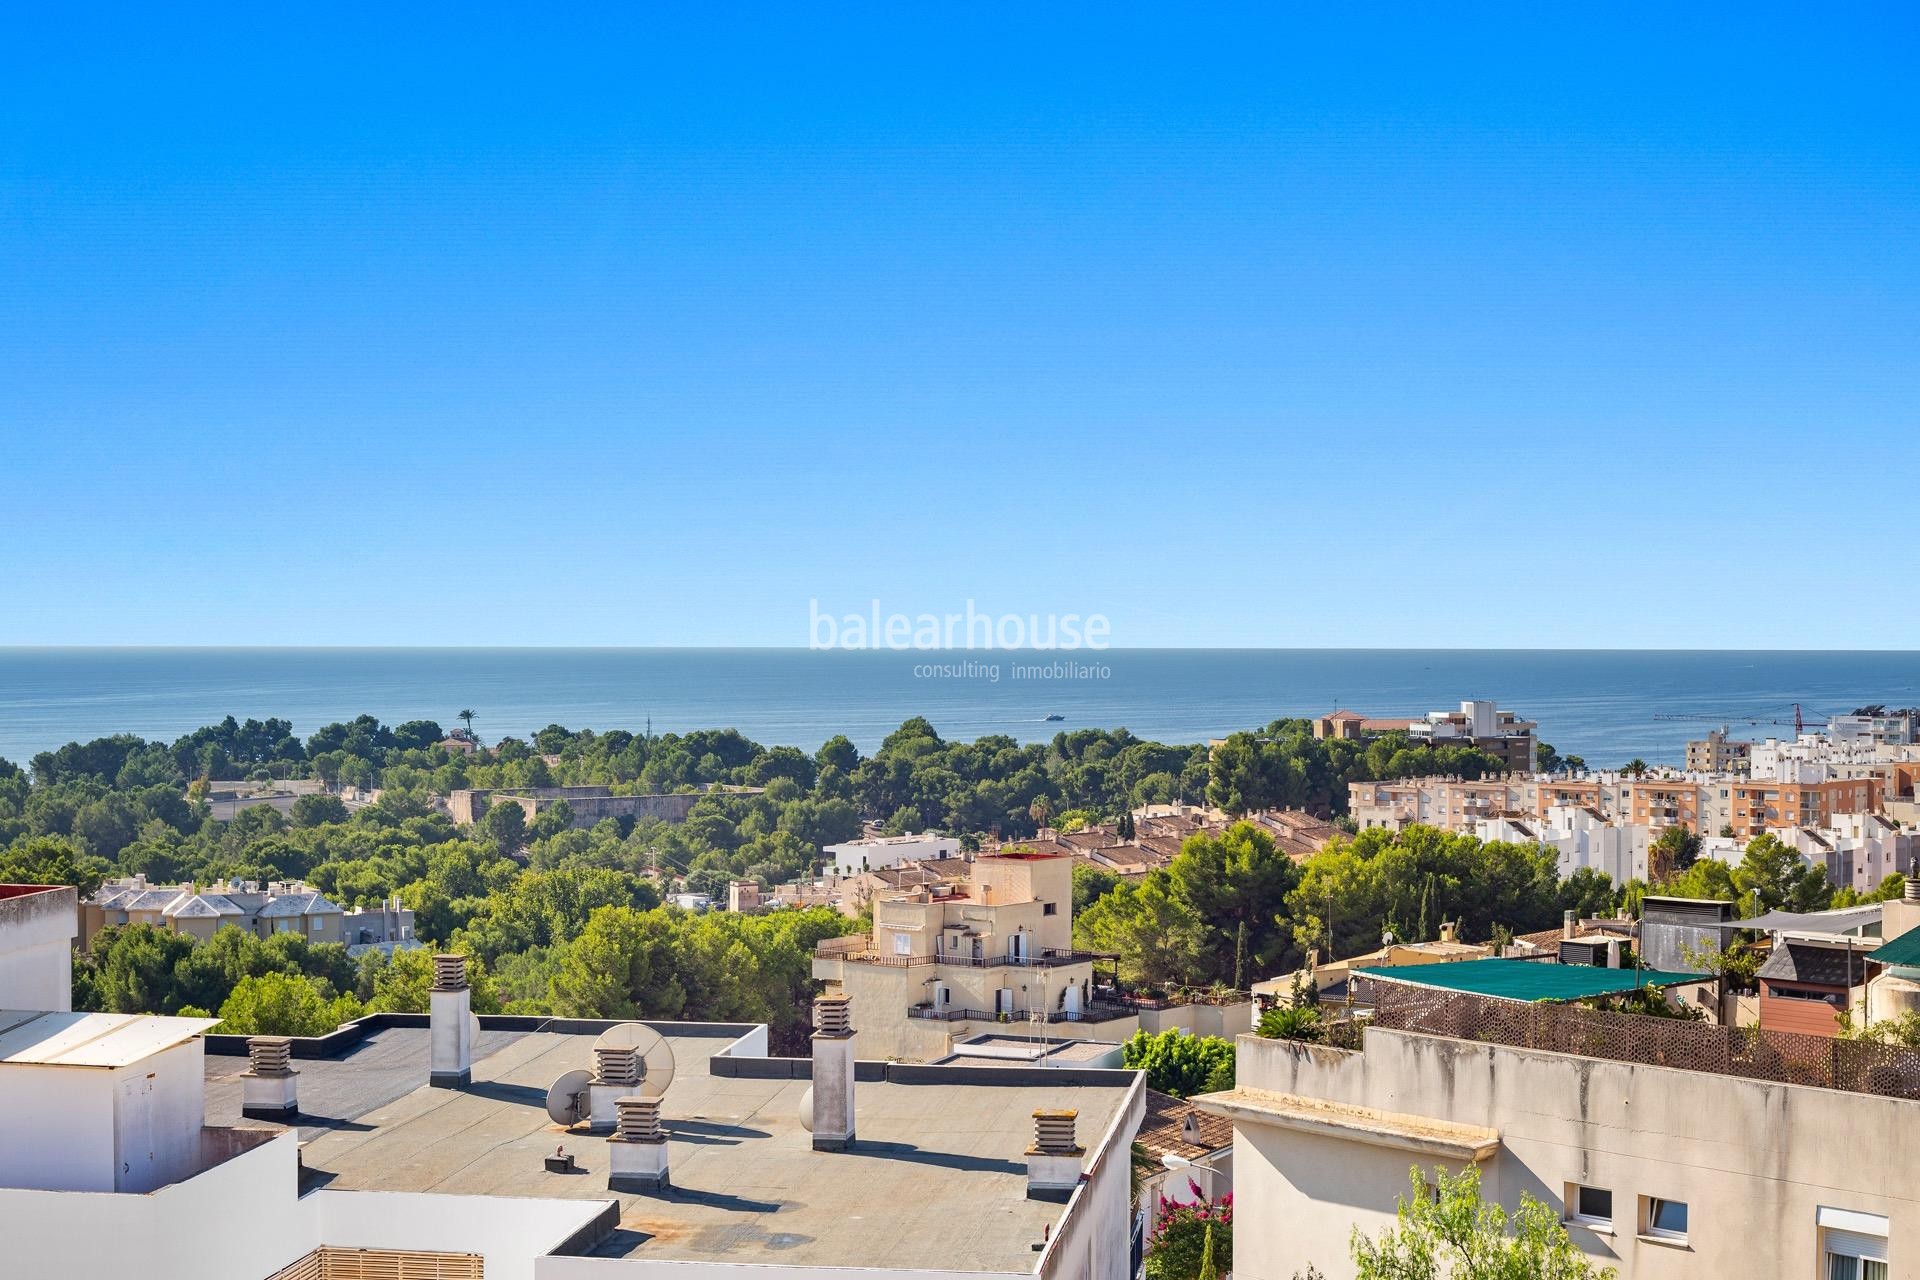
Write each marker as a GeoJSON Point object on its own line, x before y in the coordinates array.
{"type": "Point", "coordinates": [1529, 980]}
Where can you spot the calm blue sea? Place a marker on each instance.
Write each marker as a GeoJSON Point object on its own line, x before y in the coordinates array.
{"type": "Point", "coordinates": [1598, 704]}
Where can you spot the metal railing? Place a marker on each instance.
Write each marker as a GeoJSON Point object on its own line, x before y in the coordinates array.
{"type": "Point", "coordinates": [1752, 1053]}
{"type": "Point", "coordinates": [1047, 958]}
{"type": "Point", "coordinates": [1096, 1011]}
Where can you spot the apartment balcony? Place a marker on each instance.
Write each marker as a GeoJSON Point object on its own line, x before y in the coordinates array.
{"type": "Point", "coordinates": [1045, 958]}
{"type": "Point", "coordinates": [1097, 1011]}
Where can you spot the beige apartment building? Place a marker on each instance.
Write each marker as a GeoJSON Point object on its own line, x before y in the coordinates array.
{"type": "Point", "coordinates": [946, 961]}
{"type": "Point", "coordinates": [259, 909]}
{"type": "Point", "coordinates": [1717, 753]}
{"type": "Point", "coordinates": [1661, 1172]}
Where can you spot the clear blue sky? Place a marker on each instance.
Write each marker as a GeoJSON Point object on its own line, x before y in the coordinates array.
{"type": "Point", "coordinates": [1375, 325]}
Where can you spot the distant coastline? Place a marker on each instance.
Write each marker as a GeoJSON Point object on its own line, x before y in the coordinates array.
{"type": "Point", "coordinates": [1601, 704]}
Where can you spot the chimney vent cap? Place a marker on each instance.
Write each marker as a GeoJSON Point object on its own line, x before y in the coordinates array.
{"type": "Point", "coordinates": [449, 972]}
{"type": "Point", "coordinates": [1053, 1133]}
{"type": "Point", "coordinates": [833, 1014]}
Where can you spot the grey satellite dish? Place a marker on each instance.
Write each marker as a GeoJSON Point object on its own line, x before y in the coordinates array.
{"type": "Point", "coordinates": [567, 1098]}
{"type": "Point", "coordinates": [650, 1047]}
{"type": "Point", "coordinates": [473, 1029]}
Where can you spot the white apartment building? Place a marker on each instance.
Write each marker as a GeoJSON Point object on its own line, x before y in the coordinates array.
{"type": "Point", "coordinates": [1819, 757]}
{"type": "Point", "coordinates": [1898, 728]}
{"type": "Point", "coordinates": [876, 853]}
{"type": "Point", "coordinates": [1580, 838]}
{"type": "Point", "coordinates": [1858, 850]}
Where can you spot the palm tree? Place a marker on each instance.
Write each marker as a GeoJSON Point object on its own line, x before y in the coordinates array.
{"type": "Point", "coordinates": [1040, 810]}
{"type": "Point", "coordinates": [466, 715]}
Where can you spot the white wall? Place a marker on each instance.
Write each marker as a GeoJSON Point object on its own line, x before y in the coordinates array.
{"type": "Point", "coordinates": [1095, 1238]}
{"type": "Point", "coordinates": [36, 950]}
{"type": "Point", "coordinates": [240, 1220]}
{"type": "Point", "coordinates": [855, 856]}
{"type": "Point", "coordinates": [509, 1232]}
{"type": "Point", "coordinates": [56, 1128]}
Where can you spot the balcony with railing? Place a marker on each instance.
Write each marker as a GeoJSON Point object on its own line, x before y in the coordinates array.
{"type": "Point", "coordinates": [1095, 1011]}
{"type": "Point", "coordinates": [1038, 958]}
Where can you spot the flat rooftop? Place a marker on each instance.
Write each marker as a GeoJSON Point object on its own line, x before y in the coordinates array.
{"type": "Point", "coordinates": [936, 1179]}
{"type": "Point", "coordinates": [993, 1048]}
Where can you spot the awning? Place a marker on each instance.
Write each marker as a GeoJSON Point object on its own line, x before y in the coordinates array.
{"type": "Point", "coordinates": [1839, 920]}
{"type": "Point", "coordinates": [1903, 951]}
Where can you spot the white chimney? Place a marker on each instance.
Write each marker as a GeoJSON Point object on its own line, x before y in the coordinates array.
{"type": "Point", "coordinates": [1055, 1158]}
{"type": "Point", "coordinates": [451, 1024]}
{"type": "Point", "coordinates": [1569, 924]}
{"type": "Point", "coordinates": [833, 1072]}
{"type": "Point", "coordinates": [637, 1151]}
{"type": "Point", "coordinates": [616, 1073]}
{"type": "Point", "coordinates": [268, 1088]}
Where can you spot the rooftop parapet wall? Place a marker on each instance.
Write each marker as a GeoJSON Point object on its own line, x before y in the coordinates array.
{"type": "Point", "coordinates": [1756, 1160]}
{"type": "Point", "coordinates": [38, 924]}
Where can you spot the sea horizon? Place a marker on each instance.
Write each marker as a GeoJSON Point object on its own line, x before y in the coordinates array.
{"type": "Point", "coordinates": [1602, 704]}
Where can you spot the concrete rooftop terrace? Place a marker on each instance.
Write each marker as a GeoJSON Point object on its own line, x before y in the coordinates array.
{"type": "Point", "coordinates": [936, 1179]}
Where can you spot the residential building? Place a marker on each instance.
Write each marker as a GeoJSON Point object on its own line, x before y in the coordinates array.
{"type": "Point", "coordinates": [1671, 1150]}
{"type": "Point", "coordinates": [386, 928]}
{"type": "Point", "coordinates": [278, 906]}
{"type": "Point", "coordinates": [1354, 727]}
{"type": "Point", "coordinates": [1858, 850]}
{"type": "Point", "coordinates": [1759, 805]}
{"type": "Point", "coordinates": [1478, 723]}
{"type": "Point", "coordinates": [1580, 837]}
{"type": "Point", "coordinates": [876, 853]}
{"type": "Point", "coordinates": [743, 895]}
{"type": "Point", "coordinates": [1717, 753]}
{"type": "Point", "coordinates": [1881, 729]}
{"type": "Point", "coordinates": [1295, 832]}
{"type": "Point", "coordinates": [1658, 803]}
{"type": "Point", "coordinates": [1191, 1155]}
{"type": "Point", "coordinates": [139, 1146]}
{"type": "Point", "coordinates": [946, 961]}
{"type": "Point", "coordinates": [1819, 757]}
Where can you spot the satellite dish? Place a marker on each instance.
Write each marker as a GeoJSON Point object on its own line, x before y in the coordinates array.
{"type": "Point", "coordinates": [806, 1109]}
{"type": "Point", "coordinates": [650, 1047]}
{"type": "Point", "coordinates": [473, 1030]}
{"type": "Point", "coordinates": [567, 1098]}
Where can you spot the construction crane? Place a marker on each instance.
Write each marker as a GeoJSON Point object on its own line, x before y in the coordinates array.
{"type": "Point", "coordinates": [1799, 721]}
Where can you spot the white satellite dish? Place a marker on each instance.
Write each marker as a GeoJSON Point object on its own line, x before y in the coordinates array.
{"type": "Point", "coordinates": [806, 1109]}
{"type": "Point", "coordinates": [567, 1098]}
{"type": "Point", "coordinates": [652, 1049]}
